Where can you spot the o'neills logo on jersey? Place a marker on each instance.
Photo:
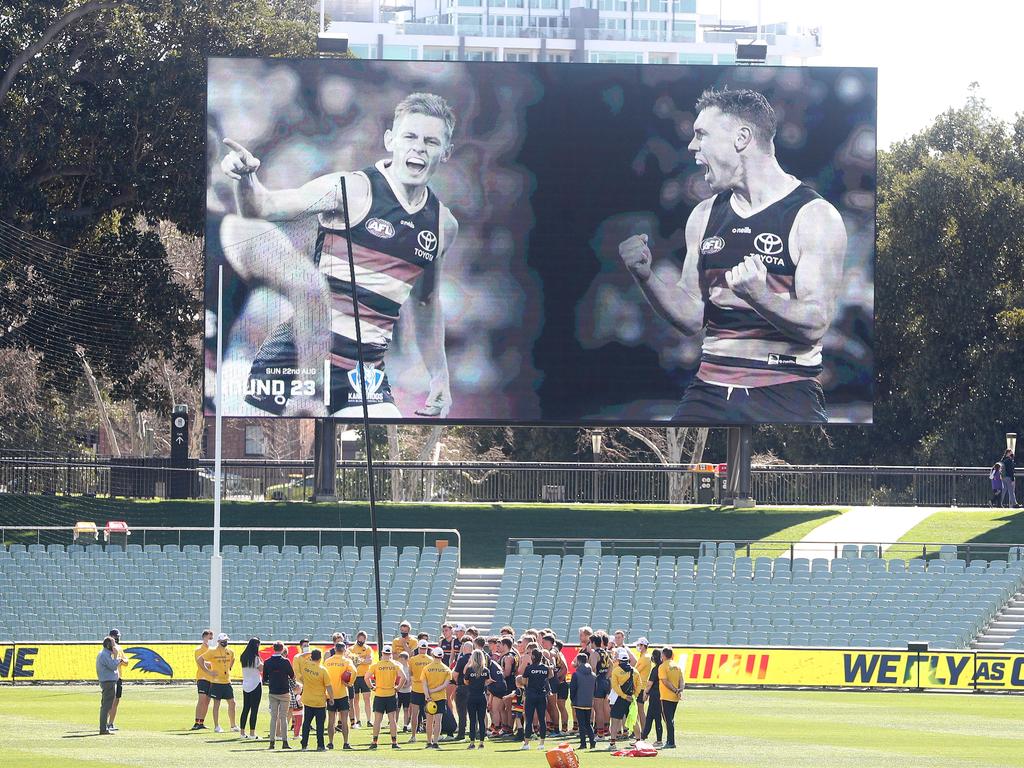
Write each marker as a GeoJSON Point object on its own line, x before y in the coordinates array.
{"type": "Point", "coordinates": [711, 245]}
{"type": "Point", "coordinates": [741, 230]}
{"type": "Point", "coordinates": [380, 228]}
{"type": "Point", "coordinates": [428, 244]}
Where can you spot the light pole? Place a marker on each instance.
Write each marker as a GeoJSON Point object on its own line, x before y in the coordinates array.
{"type": "Point", "coordinates": [595, 448]}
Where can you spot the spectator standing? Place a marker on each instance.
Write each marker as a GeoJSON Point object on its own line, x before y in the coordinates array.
{"type": "Point", "coordinates": [1009, 496]}
{"type": "Point", "coordinates": [219, 661]}
{"type": "Point", "coordinates": [122, 661]}
{"type": "Point", "coordinates": [653, 700]}
{"type": "Point", "coordinates": [317, 695]}
{"type": "Point", "coordinates": [279, 676]}
{"type": "Point", "coordinates": [203, 680]}
{"type": "Point", "coordinates": [535, 679]}
{"type": "Point", "coordinates": [107, 672]}
{"type": "Point", "coordinates": [581, 693]}
{"type": "Point", "coordinates": [252, 686]}
{"type": "Point", "coordinates": [670, 682]}
{"type": "Point", "coordinates": [476, 676]}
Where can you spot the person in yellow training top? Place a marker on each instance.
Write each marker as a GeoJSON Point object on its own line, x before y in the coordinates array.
{"type": "Point", "coordinates": [362, 656]}
{"type": "Point", "coordinates": [218, 661]}
{"type": "Point", "coordinates": [317, 695]}
{"type": "Point", "coordinates": [670, 687]}
{"type": "Point", "coordinates": [385, 678]}
{"type": "Point", "coordinates": [625, 685]}
{"type": "Point", "coordinates": [435, 678]}
{"type": "Point", "coordinates": [342, 672]}
{"type": "Point", "coordinates": [301, 657]}
{"type": "Point", "coordinates": [406, 640]}
{"type": "Point", "coordinates": [203, 680]}
{"type": "Point", "coordinates": [643, 668]}
{"type": "Point", "coordinates": [417, 699]}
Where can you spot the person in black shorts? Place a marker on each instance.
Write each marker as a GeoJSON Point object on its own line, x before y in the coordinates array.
{"type": "Point", "coordinates": [653, 700]}
{"type": "Point", "coordinates": [761, 276]}
{"type": "Point", "coordinates": [535, 680]}
{"type": "Point", "coordinates": [116, 636]}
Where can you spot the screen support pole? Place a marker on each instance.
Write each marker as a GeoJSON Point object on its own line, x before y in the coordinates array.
{"type": "Point", "coordinates": [367, 445]}
{"type": "Point", "coordinates": [216, 563]}
{"type": "Point", "coordinates": [738, 457]}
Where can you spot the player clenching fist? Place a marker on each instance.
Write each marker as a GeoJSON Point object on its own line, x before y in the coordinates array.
{"type": "Point", "coordinates": [748, 279]}
{"type": "Point", "coordinates": [636, 256]}
{"type": "Point", "coordinates": [239, 161]}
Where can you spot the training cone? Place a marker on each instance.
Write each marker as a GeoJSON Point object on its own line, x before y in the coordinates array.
{"type": "Point", "coordinates": [563, 756]}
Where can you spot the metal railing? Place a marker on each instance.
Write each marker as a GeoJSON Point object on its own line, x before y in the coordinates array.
{"type": "Point", "coordinates": [498, 481]}
{"type": "Point", "coordinates": [904, 550]}
{"type": "Point", "coordinates": [235, 536]}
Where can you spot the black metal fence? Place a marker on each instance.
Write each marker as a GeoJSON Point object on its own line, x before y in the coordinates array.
{"type": "Point", "coordinates": [498, 482]}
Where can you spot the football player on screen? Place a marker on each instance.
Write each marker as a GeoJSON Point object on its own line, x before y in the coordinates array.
{"type": "Point", "coordinates": [761, 276]}
{"type": "Point", "coordinates": [400, 233]}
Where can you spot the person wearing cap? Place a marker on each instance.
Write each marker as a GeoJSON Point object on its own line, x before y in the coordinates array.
{"type": "Point", "coordinates": [203, 680]}
{"type": "Point", "coordinates": [581, 693]}
{"type": "Point", "coordinates": [435, 678]}
{"type": "Point", "coordinates": [405, 641]}
{"type": "Point", "coordinates": [643, 668]}
{"type": "Point", "coordinates": [122, 661]}
{"type": "Point", "coordinates": [317, 695]}
{"type": "Point", "coordinates": [107, 668]}
{"type": "Point", "coordinates": [384, 678]}
{"type": "Point", "coordinates": [625, 686]}
{"type": "Point", "coordinates": [337, 665]}
{"type": "Point", "coordinates": [362, 656]}
{"type": "Point", "coordinates": [218, 661]}
{"type": "Point", "coordinates": [417, 698]}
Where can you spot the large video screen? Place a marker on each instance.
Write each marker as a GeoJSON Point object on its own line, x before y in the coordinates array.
{"type": "Point", "coordinates": [541, 243]}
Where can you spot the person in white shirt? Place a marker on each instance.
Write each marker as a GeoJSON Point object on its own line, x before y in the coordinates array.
{"type": "Point", "coordinates": [252, 686]}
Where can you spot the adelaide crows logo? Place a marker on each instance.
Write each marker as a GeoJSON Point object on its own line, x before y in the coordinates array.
{"type": "Point", "coordinates": [148, 660]}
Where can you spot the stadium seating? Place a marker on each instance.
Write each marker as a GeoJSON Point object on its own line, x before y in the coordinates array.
{"type": "Point", "coordinates": [858, 599]}
{"type": "Point", "coordinates": [162, 593]}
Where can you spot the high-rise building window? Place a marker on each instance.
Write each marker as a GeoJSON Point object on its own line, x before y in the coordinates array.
{"type": "Point", "coordinates": [684, 6]}
{"type": "Point", "coordinates": [684, 31]}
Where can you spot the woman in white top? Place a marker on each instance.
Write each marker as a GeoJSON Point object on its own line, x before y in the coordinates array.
{"type": "Point", "coordinates": [252, 686]}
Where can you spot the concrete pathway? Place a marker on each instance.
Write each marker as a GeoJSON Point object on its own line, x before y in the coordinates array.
{"type": "Point", "coordinates": [861, 525]}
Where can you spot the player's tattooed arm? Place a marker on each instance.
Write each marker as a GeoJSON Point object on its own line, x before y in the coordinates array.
{"type": "Point", "coordinates": [321, 195]}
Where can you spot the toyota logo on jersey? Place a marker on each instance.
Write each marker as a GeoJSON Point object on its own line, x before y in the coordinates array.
{"type": "Point", "coordinates": [768, 243]}
{"type": "Point", "coordinates": [427, 240]}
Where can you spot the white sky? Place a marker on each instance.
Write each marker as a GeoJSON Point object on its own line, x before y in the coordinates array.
{"type": "Point", "coordinates": [927, 51]}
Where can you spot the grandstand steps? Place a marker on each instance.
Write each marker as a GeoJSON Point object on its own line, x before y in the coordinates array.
{"type": "Point", "coordinates": [474, 597]}
{"type": "Point", "coordinates": [1004, 625]}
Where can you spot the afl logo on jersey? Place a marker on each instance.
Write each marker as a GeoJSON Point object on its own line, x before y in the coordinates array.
{"type": "Point", "coordinates": [380, 228]}
{"type": "Point", "coordinates": [711, 246]}
{"type": "Point", "coordinates": [768, 243]}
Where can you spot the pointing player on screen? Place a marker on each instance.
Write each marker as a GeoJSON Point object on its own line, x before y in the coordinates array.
{"type": "Point", "coordinates": [400, 234]}
{"type": "Point", "coordinates": [763, 267]}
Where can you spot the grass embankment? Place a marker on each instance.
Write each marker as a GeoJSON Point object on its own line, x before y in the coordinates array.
{"type": "Point", "coordinates": [52, 725]}
{"type": "Point", "coordinates": [485, 528]}
{"type": "Point", "coordinates": [978, 529]}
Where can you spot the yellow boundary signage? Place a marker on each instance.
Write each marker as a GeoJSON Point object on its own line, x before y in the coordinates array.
{"type": "Point", "coordinates": [769, 667]}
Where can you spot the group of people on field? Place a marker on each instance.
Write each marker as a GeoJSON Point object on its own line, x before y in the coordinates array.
{"type": "Point", "coordinates": [500, 686]}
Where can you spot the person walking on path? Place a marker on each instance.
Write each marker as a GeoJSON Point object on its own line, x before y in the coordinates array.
{"type": "Point", "coordinates": [995, 476]}
{"type": "Point", "coordinates": [108, 668]}
{"type": "Point", "coordinates": [1009, 495]}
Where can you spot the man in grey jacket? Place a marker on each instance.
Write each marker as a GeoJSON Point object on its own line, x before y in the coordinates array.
{"type": "Point", "coordinates": [581, 693]}
{"type": "Point", "coordinates": [107, 671]}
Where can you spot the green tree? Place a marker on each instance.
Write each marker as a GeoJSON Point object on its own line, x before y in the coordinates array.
{"type": "Point", "coordinates": [102, 134]}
